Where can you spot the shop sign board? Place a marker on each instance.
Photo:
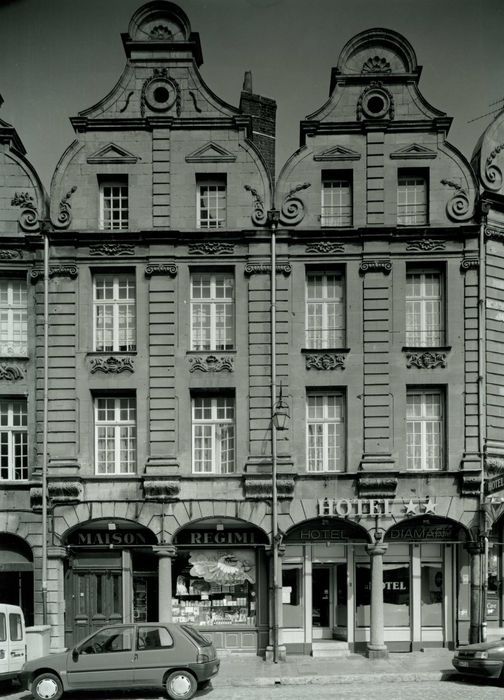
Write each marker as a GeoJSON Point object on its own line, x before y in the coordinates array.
{"type": "Point", "coordinates": [321, 531]}
{"type": "Point", "coordinates": [110, 538]}
{"type": "Point", "coordinates": [344, 507]}
{"type": "Point", "coordinates": [495, 484]}
{"type": "Point", "coordinates": [217, 537]}
{"type": "Point", "coordinates": [439, 532]}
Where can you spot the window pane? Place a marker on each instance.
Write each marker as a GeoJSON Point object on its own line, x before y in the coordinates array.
{"type": "Point", "coordinates": [212, 312]}
{"type": "Point", "coordinates": [412, 200]}
{"type": "Point", "coordinates": [114, 206]}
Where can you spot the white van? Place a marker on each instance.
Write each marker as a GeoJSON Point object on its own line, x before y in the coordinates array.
{"type": "Point", "coordinates": [12, 641]}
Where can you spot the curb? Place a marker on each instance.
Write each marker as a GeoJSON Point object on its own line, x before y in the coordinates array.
{"type": "Point", "coordinates": [263, 682]}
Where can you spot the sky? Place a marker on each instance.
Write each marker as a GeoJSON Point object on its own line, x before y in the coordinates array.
{"type": "Point", "coordinates": [58, 57]}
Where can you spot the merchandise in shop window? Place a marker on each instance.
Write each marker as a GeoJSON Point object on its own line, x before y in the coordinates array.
{"type": "Point", "coordinates": [215, 588]}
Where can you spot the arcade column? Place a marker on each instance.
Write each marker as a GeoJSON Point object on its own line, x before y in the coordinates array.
{"type": "Point", "coordinates": [56, 597]}
{"type": "Point", "coordinates": [475, 550]}
{"type": "Point", "coordinates": [376, 645]}
{"type": "Point", "coordinates": [165, 554]}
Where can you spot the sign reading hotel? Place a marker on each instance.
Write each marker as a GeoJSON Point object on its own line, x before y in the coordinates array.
{"type": "Point", "coordinates": [372, 507]}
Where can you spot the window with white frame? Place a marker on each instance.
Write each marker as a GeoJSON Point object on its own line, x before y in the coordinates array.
{"type": "Point", "coordinates": [213, 434]}
{"type": "Point", "coordinates": [412, 199]}
{"type": "Point", "coordinates": [114, 312]}
{"type": "Point", "coordinates": [212, 311]}
{"type": "Point", "coordinates": [13, 440]}
{"type": "Point", "coordinates": [211, 194]}
{"type": "Point", "coordinates": [114, 204]}
{"type": "Point", "coordinates": [325, 432]}
{"type": "Point", "coordinates": [336, 200]}
{"type": "Point", "coordinates": [115, 435]}
{"type": "Point", "coordinates": [13, 317]}
{"type": "Point", "coordinates": [424, 429]}
{"type": "Point", "coordinates": [424, 308]}
{"type": "Point", "coordinates": [325, 310]}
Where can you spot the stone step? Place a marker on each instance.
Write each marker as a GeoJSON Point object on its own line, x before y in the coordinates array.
{"type": "Point", "coordinates": [329, 648]}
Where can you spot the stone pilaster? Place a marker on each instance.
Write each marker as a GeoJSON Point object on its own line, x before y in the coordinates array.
{"type": "Point", "coordinates": [165, 554]}
{"type": "Point", "coordinates": [376, 645]}
{"type": "Point", "coordinates": [56, 597]}
{"type": "Point", "coordinates": [475, 550]}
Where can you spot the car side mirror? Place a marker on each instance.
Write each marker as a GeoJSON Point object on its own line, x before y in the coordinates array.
{"type": "Point", "coordinates": [75, 654]}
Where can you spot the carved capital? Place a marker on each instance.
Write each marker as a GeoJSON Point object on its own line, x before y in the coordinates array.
{"type": "Point", "coordinates": [111, 365]}
{"type": "Point", "coordinates": [161, 489]}
{"type": "Point", "coordinates": [262, 269]}
{"type": "Point", "coordinates": [211, 363]}
{"type": "Point", "coordinates": [210, 248]}
{"type": "Point", "coordinates": [70, 491]}
{"type": "Point", "coordinates": [260, 488]}
{"type": "Point", "coordinates": [376, 487]}
{"type": "Point", "coordinates": [112, 249]}
{"type": "Point", "coordinates": [384, 266]}
{"type": "Point", "coordinates": [324, 360]}
{"type": "Point", "coordinates": [426, 360]}
{"type": "Point", "coordinates": [469, 264]}
{"type": "Point", "coordinates": [71, 271]}
{"type": "Point", "coordinates": [161, 269]}
{"type": "Point", "coordinates": [11, 372]}
{"type": "Point", "coordinates": [495, 233]}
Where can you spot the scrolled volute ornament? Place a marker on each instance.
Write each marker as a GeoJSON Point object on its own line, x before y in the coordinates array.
{"type": "Point", "coordinates": [65, 210]}
{"type": "Point", "coordinates": [292, 211]}
{"type": "Point", "coordinates": [29, 217]}
{"type": "Point", "coordinates": [259, 216]}
{"type": "Point", "coordinates": [492, 172]}
{"type": "Point", "coordinates": [458, 207]}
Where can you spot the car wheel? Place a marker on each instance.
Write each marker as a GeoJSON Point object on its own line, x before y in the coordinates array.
{"type": "Point", "coordinates": [181, 685]}
{"type": "Point", "coordinates": [47, 686]}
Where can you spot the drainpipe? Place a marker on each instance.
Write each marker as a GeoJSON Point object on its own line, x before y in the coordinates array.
{"type": "Point", "coordinates": [45, 233]}
{"type": "Point", "coordinates": [482, 419]}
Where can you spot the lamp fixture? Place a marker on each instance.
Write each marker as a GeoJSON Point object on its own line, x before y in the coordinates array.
{"type": "Point", "coordinates": [280, 413]}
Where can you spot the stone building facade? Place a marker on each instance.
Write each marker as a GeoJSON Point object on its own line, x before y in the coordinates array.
{"type": "Point", "coordinates": [159, 223]}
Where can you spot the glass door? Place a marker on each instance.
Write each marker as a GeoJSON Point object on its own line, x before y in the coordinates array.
{"type": "Point", "coordinates": [322, 580]}
{"type": "Point", "coordinates": [432, 593]}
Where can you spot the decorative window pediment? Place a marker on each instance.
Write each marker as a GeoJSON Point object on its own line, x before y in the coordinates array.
{"type": "Point", "coordinates": [415, 150]}
{"type": "Point", "coordinates": [337, 153]}
{"type": "Point", "coordinates": [211, 153]}
{"type": "Point", "coordinates": [111, 153]}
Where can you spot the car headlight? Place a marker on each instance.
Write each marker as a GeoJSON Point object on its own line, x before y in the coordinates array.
{"type": "Point", "coordinates": [481, 655]}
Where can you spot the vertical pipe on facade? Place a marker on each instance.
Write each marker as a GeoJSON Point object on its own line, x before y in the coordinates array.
{"type": "Point", "coordinates": [45, 419]}
{"type": "Point", "coordinates": [274, 503]}
{"type": "Point", "coordinates": [482, 416]}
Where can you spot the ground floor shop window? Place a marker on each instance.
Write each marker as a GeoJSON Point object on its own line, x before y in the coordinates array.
{"type": "Point", "coordinates": [293, 611]}
{"type": "Point", "coordinates": [396, 595]}
{"type": "Point", "coordinates": [215, 587]}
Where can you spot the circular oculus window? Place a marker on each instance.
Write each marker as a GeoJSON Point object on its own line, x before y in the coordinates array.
{"type": "Point", "coordinates": [376, 104]}
{"type": "Point", "coordinates": [160, 95]}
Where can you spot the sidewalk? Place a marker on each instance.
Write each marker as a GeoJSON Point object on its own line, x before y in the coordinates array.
{"type": "Point", "coordinates": [244, 670]}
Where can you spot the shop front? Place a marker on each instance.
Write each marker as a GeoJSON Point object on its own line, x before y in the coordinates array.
{"type": "Point", "coordinates": [111, 575]}
{"type": "Point", "coordinates": [220, 582]}
{"type": "Point", "coordinates": [16, 574]}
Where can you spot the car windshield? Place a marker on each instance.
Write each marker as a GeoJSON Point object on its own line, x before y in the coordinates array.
{"type": "Point", "coordinates": [196, 636]}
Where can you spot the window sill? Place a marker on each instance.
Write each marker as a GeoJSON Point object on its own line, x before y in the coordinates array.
{"type": "Point", "coordinates": [210, 352]}
{"type": "Point", "coordinates": [101, 353]}
{"type": "Point", "coordinates": [426, 348]}
{"type": "Point", "coordinates": [320, 350]}
{"type": "Point", "coordinates": [4, 358]}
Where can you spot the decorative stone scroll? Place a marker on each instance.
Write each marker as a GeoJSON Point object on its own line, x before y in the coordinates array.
{"type": "Point", "coordinates": [161, 269]}
{"type": "Point", "coordinates": [111, 365]}
{"type": "Point", "coordinates": [259, 216]}
{"type": "Point", "coordinates": [325, 247]}
{"type": "Point", "coordinates": [70, 271]}
{"type": "Point", "coordinates": [324, 360]}
{"type": "Point", "coordinates": [261, 269]}
{"type": "Point", "coordinates": [10, 253]}
{"type": "Point", "coordinates": [11, 373]}
{"type": "Point", "coordinates": [115, 249]}
{"type": "Point", "coordinates": [210, 248]}
{"type": "Point", "coordinates": [426, 244]}
{"type": "Point", "coordinates": [425, 360]}
{"type": "Point", "coordinates": [292, 210]}
{"type": "Point", "coordinates": [211, 363]}
{"type": "Point", "coordinates": [469, 264]}
{"type": "Point", "coordinates": [493, 174]}
{"type": "Point", "coordinates": [29, 218]}
{"type": "Point", "coordinates": [65, 210]}
{"type": "Point", "coordinates": [458, 206]}
{"type": "Point", "coordinates": [384, 266]}
{"type": "Point", "coordinates": [495, 233]}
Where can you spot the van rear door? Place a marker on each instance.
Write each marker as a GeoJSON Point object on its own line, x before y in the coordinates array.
{"type": "Point", "coordinates": [4, 645]}
{"type": "Point", "coordinates": [17, 641]}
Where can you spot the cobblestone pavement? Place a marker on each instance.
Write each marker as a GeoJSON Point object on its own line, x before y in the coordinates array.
{"type": "Point", "coordinates": [446, 690]}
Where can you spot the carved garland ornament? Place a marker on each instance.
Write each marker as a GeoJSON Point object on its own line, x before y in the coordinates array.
{"type": "Point", "coordinates": [10, 373]}
{"type": "Point", "coordinates": [28, 219]}
{"type": "Point", "coordinates": [458, 206]}
{"type": "Point", "coordinates": [384, 266]}
{"type": "Point", "coordinates": [426, 244]}
{"type": "Point", "coordinates": [211, 363]}
{"type": "Point", "coordinates": [112, 249]}
{"type": "Point", "coordinates": [259, 215]}
{"type": "Point", "coordinates": [325, 247]}
{"type": "Point", "coordinates": [111, 365]}
{"type": "Point", "coordinates": [493, 173]}
{"type": "Point", "coordinates": [210, 248]}
{"type": "Point", "coordinates": [161, 269]}
{"type": "Point", "coordinates": [10, 253]}
{"type": "Point", "coordinates": [251, 269]}
{"type": "Point", "coordinates": [324, 361]}
{"type": "Point", "coordinates": [425, 360]}
{"type": "Point", "coordinates": [292, 210]}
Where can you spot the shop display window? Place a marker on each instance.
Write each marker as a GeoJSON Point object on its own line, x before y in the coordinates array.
{"type": "Point", "coordinates": [493, 582]}
{"type": "Point", "coordinates": [215, 587]}
{"type": "Point", "coordinates": [396, 594]}
{"type": "Point", "coordinates": [293, 611]}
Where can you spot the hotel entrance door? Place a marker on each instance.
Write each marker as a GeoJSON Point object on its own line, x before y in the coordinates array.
{"type": "Point", "coordinates": [329, 601]}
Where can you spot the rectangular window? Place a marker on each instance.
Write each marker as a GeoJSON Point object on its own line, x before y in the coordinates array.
{"type": "Point", "coordinates": [13, 318]}
{"type": "Point", "coordinates": [412, 199]}
{"type": "Point", "coordinates": [114, 313]}
{"type": "Point", "coordinates": [424, 308]}
{"type": "Point", "coordinates": [325, 425]}
{"type": "Point", "coordinates": [115, 435]}
{"type": "Point", "coordinates": [13, 440]}
{"type": "Point", "coordinates": [211, 202]}
{"type": "Point", "coordinates": [213, 432]}
{"type": "Point", "coordinates": [325, 310]}
{"type": "Point", "coordinates": [212, 311]}
{"type": "Point", "coordinates": [114, 204]}
{"type": "Point", "coordinates": [424, 429]}
{"type": "Point", "coordinates": [336, 200]}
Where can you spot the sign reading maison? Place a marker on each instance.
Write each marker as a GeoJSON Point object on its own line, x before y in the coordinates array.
{"type": "Point", "coordinates": [108, 538]}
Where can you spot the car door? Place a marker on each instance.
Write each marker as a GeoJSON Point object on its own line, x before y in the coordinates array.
{"type": "Point", "coordinates": [4, 645]}
{"type": "Point", "coordinates": [17, 642]}
{"type": "Point", "coordinates": [105, 660]}
{"type": "Point", "coordinates": [155, 652]}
